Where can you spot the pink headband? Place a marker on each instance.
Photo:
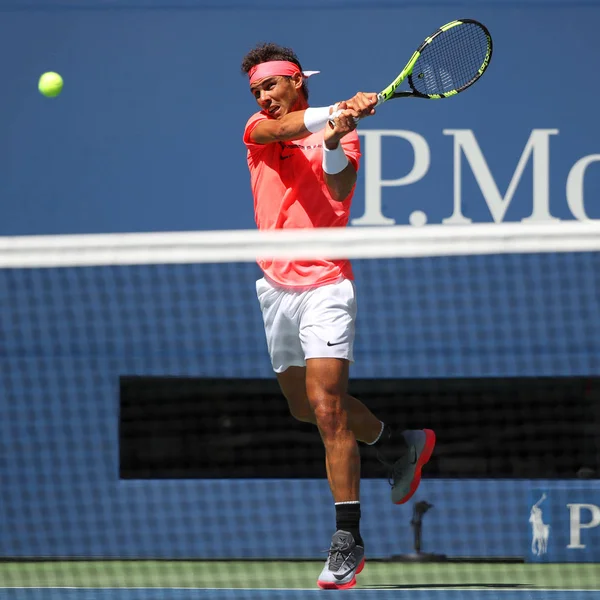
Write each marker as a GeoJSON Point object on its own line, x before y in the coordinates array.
{"type": "Point", "coordinates": [276, 67]}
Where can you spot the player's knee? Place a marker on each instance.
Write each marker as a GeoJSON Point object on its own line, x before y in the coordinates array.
{"type": "Point", "coordinates": [329, 416]}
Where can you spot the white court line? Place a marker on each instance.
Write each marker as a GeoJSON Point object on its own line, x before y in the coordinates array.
{"type": "Point", "coordinates": [489, 588]}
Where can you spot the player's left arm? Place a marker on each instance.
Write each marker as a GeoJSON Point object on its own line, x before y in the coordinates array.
{"type": "Point", "coordinates": [339, 172]}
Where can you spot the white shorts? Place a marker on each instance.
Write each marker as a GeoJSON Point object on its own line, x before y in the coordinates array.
{"type": "Point", "coordinates": [313, 323]}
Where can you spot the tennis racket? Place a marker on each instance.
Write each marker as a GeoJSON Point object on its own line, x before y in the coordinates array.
{"type": "Point", "coordinates": [448, 62]}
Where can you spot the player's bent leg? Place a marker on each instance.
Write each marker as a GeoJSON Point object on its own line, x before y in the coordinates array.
{"type": "Point", "coordinates": [363, 423]}
{"type": "Point", "coordinates": [365, 426]}
{"type": "Point", "coordinates": [293, 386]}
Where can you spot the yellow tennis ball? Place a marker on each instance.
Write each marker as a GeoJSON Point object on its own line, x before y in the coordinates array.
{"type": "Point", "coordinates": [50, 84]}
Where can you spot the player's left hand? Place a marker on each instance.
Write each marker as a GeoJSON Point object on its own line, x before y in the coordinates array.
{"type": "Point", "coordinates": [343, 124]}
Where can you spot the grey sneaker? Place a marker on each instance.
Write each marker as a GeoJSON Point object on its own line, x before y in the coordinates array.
{"type": "Point", "coordinates": [405, 474]}
{"type": "Point", "coordinates": [344, 562]}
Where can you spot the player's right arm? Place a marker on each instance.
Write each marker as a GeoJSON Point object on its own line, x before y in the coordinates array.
{"type": "Point", "coordinates": [293, 126]}
{"type": "Point", "coordinates": [299, 124]}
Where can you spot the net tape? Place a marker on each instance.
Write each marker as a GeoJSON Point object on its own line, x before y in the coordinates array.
{"type": "Point", "coordinates": [302, 244]}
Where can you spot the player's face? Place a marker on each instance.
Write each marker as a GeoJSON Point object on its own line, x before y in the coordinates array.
{"type": "Point", "coordinates": [277, 95]}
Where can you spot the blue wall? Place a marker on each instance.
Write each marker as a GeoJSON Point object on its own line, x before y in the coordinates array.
{"type": "Point", "coordinates": [147, 133]}
{"type": "Point", "coordinates": [147, 136]}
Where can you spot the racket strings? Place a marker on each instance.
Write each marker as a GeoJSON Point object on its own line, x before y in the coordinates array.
{"type": "Point", "coordinates": [451, 61]}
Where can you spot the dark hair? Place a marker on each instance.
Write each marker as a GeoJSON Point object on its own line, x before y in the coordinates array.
{"type": "Point", "coordinates": [269, 51]}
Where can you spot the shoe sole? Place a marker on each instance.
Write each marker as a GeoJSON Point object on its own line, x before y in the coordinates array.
{"type": "Point", "coordinates": [423, 460]}
{"type": "Point", "coordinates": [330, 585]}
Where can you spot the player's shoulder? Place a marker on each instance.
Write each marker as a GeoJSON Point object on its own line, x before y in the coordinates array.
{"type": "Point", "coordinates": [256, 118]}
{"type": "Point", "coordinates": [251, 125]}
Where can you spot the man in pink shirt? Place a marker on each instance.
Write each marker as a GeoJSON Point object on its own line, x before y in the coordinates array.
{"type": "Point", "coordinates": [303, 163]}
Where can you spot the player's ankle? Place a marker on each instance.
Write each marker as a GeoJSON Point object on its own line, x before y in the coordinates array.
{"type": "Point", "coordinates": [347, 518]}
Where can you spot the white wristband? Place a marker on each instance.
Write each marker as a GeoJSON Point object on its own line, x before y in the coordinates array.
{"type": "Point", "coordinates": [334, 161]}
{"type": "Point", "coordinates": [316, 118]}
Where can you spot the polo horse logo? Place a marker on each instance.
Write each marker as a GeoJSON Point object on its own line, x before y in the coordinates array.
{"type": "Point", "coordinates": [540, 531]}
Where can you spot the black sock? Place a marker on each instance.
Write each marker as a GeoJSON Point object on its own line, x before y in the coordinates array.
{"type": "Point", "coordinates": [347, 518]}
{"type": "Point", "coordinates": [390, 445]}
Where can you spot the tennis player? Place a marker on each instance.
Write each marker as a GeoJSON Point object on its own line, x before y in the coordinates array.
{"type": "Point", "coordinates": [303, 174]}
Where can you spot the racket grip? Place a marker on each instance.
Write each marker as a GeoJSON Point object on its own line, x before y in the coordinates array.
{"type": "Point", "coordinates": [335, 115]}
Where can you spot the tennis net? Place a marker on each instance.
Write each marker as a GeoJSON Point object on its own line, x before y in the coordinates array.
{"type": "Point", "coordinates": [140, 418]}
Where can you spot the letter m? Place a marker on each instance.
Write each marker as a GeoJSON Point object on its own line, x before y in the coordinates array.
{"type": "Point", "coordinates": [538, 146]}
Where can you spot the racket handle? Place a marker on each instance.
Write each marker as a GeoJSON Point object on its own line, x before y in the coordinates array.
{"type": "Point", "coordinates": [337, 113]}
